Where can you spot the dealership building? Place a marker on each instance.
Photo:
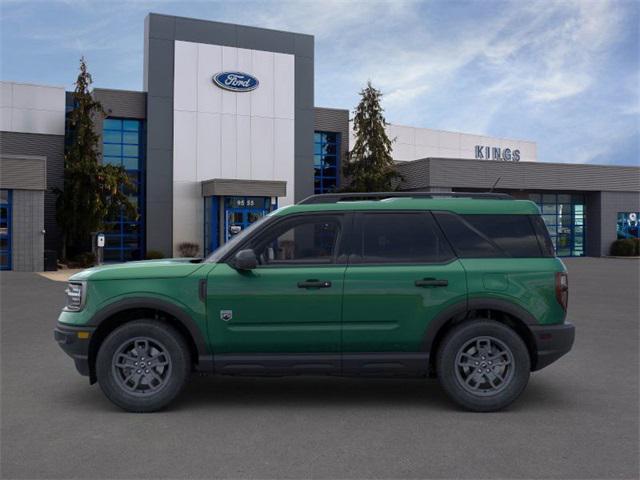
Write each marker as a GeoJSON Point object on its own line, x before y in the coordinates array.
{"type": "Point", "coordinates": [225, 130]}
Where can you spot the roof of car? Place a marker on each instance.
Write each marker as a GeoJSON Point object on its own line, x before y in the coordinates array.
{"type": "Point", "coordinates": [457, 205]}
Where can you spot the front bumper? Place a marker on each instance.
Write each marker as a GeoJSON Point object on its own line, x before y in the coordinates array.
{"type": "Point", "coordinates": [75, 343]}
{"type": "Point", "coordinates": [552, 342]}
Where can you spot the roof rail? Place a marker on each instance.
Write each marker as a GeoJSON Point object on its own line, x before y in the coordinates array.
{"type": "Point", "coordinates": [346, 197]}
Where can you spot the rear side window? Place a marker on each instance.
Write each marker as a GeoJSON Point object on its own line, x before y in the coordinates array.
{"type": "Point", "coordinates": [401, 238]}
{"type": "Point", "coordinates": [486, 236]}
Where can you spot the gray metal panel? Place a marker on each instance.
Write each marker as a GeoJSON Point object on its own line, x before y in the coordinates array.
{"type": "Point", "coordinates": [202, 31]}
{"type": "Point", "coordinates": [610, 204]}
{"type": "Point", "coordinates": [304, 84]}
{"type": "Point", "coordinates": [303, 159]}
{"type": "Point", "coordinates": [415, 175]}
{"type": "Point", "coordinates": [51, 147]}
{"type": "Point", "coordinates": [303, 45]}
{"type": "Point", "coordinates": [461, 173]}
{"type": "Point", "coordinates": [23, 171]}
{"type": "Point", "coordinates": [160, 26]}
{"type": "Point", "coordinates": [122, 103]}
{"type": "Point", "coordinates": [263, 39]}
{"type": "Point", "coordinates": [27, 240]}
{"type": "Point", "coordinates": [160, 68]}
{"type": "Point", "coordinates": [254, 188]}
{"type": "Point", "coordinates": [593, 225]}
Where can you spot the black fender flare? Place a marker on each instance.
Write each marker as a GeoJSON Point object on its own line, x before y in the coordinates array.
{"type": "Point", "coordinates": [205, 359]}
{"type": "Point", "coordinates": [462, 309]}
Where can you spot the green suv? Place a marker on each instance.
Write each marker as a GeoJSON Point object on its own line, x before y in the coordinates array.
{"type": "Point", "coordinates": [464, 287]}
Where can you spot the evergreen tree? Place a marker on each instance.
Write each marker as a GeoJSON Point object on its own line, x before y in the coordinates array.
{"type": "Point", "coordinates": [369, 166]}
{"type": "Point", "coordinates": [92, 191]}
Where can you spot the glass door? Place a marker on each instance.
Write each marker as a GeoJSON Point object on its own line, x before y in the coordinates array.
{"type": "Point", "coordinates": [564, 215]}
{"type": "Point", "coordinates": [5, 229]}
{"type": "Point", "coordinates": [240, 212]}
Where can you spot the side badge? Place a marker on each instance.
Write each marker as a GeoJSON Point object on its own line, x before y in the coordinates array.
{"type": "Point", "coordinates": [226, 315]}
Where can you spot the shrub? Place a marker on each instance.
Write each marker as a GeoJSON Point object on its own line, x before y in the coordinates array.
{"type": "Point", "coordinates": [154, 255]}
{"type": "Point", "coordinates": [188, 249]}
{"type": "Point", "coordinates": [628, 247]}
{"type": "Point", "coordinates": [83, 260]}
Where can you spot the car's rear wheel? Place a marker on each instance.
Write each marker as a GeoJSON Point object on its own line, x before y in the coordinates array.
{"type": "Point", "coordinates": [483, 365]}
{"type": "Point", "coordinates": [143, 365]}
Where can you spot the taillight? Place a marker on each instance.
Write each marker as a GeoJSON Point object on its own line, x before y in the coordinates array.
{"type": "Point", "coordinates": [562, 289]}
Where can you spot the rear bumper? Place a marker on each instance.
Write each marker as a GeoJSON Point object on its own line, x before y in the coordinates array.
{"type": "Point", "coordinates": [552, 342]}
{"type": "Point", "coordinates": [74, 345]}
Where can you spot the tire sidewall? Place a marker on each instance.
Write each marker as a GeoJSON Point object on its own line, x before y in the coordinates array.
{"type": "Point", "coordinates": [446, 365]}
{"type": "Point", "coordinates": [177, 349]}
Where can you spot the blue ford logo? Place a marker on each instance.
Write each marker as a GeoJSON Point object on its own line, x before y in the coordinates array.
{"type": "Point", "coordinates": [236, 81]}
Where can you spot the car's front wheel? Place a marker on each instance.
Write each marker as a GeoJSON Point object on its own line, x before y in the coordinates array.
{"type": "Point", "coordinates": [483, 365]}
{"type": "Point", "coordinates": [143, 365]}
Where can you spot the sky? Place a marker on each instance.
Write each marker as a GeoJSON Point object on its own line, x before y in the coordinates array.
{"type": "Point", "coordinates": [565, 74]}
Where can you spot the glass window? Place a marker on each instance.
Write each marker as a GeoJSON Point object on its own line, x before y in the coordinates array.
{"type": "Point", "coordinates": [327, 158]}
{"type": "Point", "coordinates": [122, 146]}
{"type": "Point", "coordinates": [112, 150]}
{"type": "Point", "coordinates": [130, 150]}
{"type": "Point", "coordinates": [331, 137]}
{"type": "Point", "coordinates": [111, 136]}
{"type": "Point", "coordinates": [5, 229]}
{"type": "Point", "coordinates": [112, 124]}
{"type": "Point", "coordinates": [130, 163]}
{"type": "Point", "coordinates": [306, 240]}
{"type": "Point", "coordinates": [467, 241]}
{"type": "Point", "coordinates": [628, 225]}
{"type": "Point", "coordinates": [131, 125]}
{"type": "Point", "coordinates": [131, 138]}
{"type": "Point", "coordinates": [402, 238]}
{"type": "Point", "coordinates": [514, 234]}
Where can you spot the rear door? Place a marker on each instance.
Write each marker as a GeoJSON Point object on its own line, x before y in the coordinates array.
{"type": "Point", "coordinates": [401, 275]}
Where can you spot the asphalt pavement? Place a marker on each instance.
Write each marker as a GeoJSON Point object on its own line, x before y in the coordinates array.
{"type": "Point", "coordinates": [578, 418]}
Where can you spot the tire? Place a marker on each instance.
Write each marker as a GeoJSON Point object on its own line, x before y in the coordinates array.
{"type": "Point", "coordinates": [143, 365]}
{"type": "Point", "coordinates": [483, 365]}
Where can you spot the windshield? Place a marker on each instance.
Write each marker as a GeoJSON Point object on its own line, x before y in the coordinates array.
{"type": "Point", "coordinates": [219, 253]}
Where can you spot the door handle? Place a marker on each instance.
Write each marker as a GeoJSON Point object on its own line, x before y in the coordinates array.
{"type": "Point", "coordinates": [431, 282]}
{"type": "Point", "coordinates": [314, 284]}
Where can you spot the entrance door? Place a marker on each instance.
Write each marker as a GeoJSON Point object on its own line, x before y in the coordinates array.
{"type": "Point", "coordinates": [5, 229]}
{"type": "Point", "coordinates": [401, 276]}
{"type": "Point", "coordinates": [290, 305]}
{"type": "Point", "coordinates": [240, 212]}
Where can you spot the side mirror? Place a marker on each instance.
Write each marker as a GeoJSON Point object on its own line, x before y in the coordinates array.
{"type": "Point", "coordinates": [245, 260]}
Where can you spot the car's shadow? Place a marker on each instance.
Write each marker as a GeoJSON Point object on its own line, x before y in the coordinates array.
{"type": "Point", "coordinates": [313, 392]}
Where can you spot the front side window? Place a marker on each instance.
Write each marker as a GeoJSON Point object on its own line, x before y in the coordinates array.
{"type": "Point", "coordinates": [305, 240]}
{"type": "Point", "coordinates": [401, 238]}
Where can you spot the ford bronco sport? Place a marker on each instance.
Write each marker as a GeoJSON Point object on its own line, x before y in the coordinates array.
{"type": "Point", "coordinates": [464, 287]}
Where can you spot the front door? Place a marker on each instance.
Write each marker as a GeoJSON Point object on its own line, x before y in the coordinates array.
{"type": "Point", "coordinates": [240, 212]}
{"type": "Point", "coordinates": [401, 276]}
{"type": "Point", "coordinates": [290, 304]}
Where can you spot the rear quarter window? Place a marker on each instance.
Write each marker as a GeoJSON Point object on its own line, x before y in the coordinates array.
{"type": "Point", "coordinates": [486, 235]}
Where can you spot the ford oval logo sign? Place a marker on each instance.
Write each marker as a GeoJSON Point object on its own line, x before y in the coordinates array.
{"type": "Point", "coordinates": [236, 81]}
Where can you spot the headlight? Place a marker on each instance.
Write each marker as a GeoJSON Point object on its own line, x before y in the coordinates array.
{"type": "Point", "coordinates": [75, 296]}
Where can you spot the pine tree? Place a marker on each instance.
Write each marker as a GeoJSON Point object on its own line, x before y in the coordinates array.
{"type": "Point", "coordinates": [369, 166]}
{"type": "Point", "coordinates": [92, 191]}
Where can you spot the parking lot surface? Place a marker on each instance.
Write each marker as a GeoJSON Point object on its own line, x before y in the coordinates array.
{"type": "Point", "coordinates": [578, 418]}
